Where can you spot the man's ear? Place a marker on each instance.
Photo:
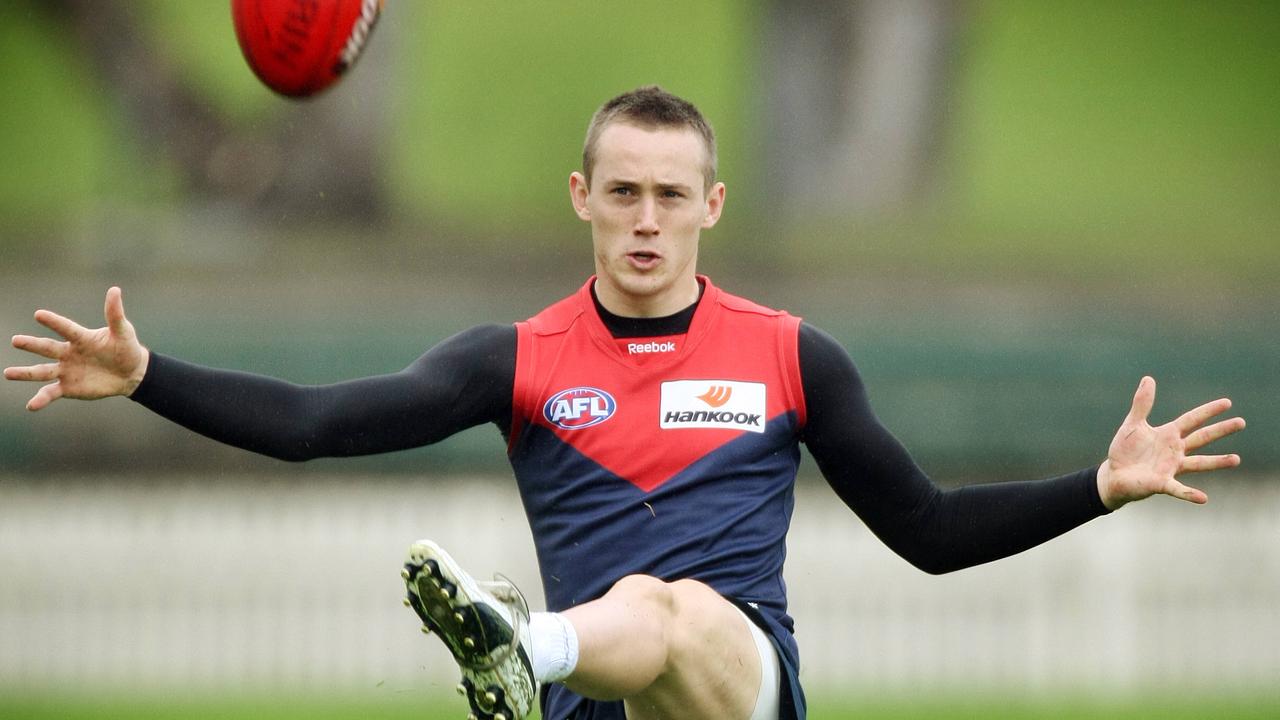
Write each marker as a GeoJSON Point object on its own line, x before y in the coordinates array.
{"type": "Point", "coordinates": [578, 192]}
{"type": "Point", "coordinates": [715, 205]}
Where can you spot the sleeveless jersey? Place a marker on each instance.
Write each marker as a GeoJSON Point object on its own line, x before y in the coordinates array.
{"type": "Point", "coordinates": [673, 457]}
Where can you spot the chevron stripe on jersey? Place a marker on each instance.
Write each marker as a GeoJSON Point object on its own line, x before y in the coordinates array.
{"type": "Point", "coordinates": [732, 372]}
{"type": "Point", "coordinates": [673, 457]}
{"type": "Point", "coordinates": [677, 468]}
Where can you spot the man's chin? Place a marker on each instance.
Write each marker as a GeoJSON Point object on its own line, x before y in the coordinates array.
{"type": "Point", "coordinates": [643, 285]}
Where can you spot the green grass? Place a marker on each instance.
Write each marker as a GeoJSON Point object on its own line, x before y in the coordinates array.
{"type": "Point", "coordinates": [1155, 707]}
{"type": "Point", "coordinates": [77, 707]}
{"type": "Point", "coordinates": [403, 705]}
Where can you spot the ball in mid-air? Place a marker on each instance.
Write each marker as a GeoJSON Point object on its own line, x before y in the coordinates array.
{"type": "Point", "coordinates": [300, 47]}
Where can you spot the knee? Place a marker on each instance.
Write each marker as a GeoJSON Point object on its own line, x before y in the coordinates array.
{"type": "Point", "coordinates": [649, 604]}
{"type": "Point", "coordinates": [645, 592]}
{"type": "Point", "coordinates": [678, 604]}
{"type": "Point", "coordinates": [683, 616]}
{"type": "Point", "coordinates": [685, 610]}
{"type": "Point", "coordinates": [694, 606]}
{"type": "Point", "coordinates": [680, 597]}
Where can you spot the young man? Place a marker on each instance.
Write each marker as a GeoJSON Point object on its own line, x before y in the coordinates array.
{"type": "Point", "coordinates": [653, 422]}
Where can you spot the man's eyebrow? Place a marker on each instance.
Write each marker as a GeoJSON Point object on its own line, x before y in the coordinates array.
{"type": "Point", "coordinates": [620, 181]}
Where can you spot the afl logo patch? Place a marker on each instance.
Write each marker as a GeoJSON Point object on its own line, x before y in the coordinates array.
{"type": "Point", "coordinates": [579, 407]}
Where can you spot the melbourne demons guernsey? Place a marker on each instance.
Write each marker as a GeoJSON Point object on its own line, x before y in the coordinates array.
{"type": "Point", "coordinates": [669, 456]}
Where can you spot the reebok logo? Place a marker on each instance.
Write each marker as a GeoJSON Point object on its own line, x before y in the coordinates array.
{"type": "Point", "coordinates": [651, 347]}
{"type": "Point", "coordinates": [735, 405]}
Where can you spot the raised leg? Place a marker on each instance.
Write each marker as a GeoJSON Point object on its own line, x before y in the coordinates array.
{"type": "Point", "coordinates": [669, 650]}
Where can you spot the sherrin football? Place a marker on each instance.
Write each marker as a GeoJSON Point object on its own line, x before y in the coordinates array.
{"type": "Point", "coordinates": [300, 47]}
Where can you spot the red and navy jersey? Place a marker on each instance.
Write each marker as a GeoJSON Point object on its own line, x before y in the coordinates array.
{"type": "Point", "coordinates": [670, 456]}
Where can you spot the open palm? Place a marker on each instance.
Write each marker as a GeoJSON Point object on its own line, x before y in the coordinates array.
{"type": "Point", "coordinates": [87, 364]}
{"type": "Point", "coordinates": [1144, 460]}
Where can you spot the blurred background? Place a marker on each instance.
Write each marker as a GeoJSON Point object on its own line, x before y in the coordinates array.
{"type": "Point", "coordinates": [1007, 211]}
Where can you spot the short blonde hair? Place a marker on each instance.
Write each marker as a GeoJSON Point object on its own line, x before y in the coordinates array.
{"type": "Point", "coordinates": [650, 107]}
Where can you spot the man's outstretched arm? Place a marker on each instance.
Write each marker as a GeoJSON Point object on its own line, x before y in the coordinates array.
{"type": "Point", "coordinates": [464, 381]}
{"type": "Point", "coordinates": [943, 530]}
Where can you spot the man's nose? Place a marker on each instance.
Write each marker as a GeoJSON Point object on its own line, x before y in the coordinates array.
{"type": "Point", "coordinates": [647, 223]}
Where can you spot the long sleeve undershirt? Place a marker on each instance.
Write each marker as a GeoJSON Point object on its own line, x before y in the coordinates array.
{"type": "Point", "coordinates": [467, 380]}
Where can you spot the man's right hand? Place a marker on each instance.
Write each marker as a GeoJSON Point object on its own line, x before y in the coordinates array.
{"type": "Point", "coordinates": [88, 364]}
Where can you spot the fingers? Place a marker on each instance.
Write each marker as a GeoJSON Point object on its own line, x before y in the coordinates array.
{"type": "Point", "coordinates": [45, 372]}
{"type": "Point", "coordinates": [114, 312]}
{"type": "Point", "coordinates": [1184, 492]}
{"type": "Point", "coordinates": [37, 373]}
{"type": "Point", "coordinates": [1143, 400]}
{"type": "Point", "coordinates": [44, 396]}
{"type": "Point", "coordinates": [1216, 431]}
{"type": "Point", "coordinates": [1194, 418]}
{"type": "Point", "coordinates": [61, 325]}
{"type": "Point", "coordinates": [1205, 463]}
{"type": "Point", "coordinates": [44, 347]}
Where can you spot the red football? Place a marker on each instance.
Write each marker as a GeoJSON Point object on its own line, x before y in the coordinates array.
{"type": "Point", "coordinates": [300, 47]}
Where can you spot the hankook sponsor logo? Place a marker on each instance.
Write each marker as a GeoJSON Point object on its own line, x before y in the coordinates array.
{"type": "Point", "coordinates": [722, 404]}
{"type": "Point", "coordinates": [716, 395]}
{"type": "Point", "coordinates": [700, 416]}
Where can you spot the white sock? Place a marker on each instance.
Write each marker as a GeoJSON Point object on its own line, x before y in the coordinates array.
{"type": "Point", "coordinates": [554, 646]}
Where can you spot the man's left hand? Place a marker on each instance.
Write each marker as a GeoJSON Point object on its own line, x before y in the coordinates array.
{"type": "Point", "coordinates": [1145, 460]}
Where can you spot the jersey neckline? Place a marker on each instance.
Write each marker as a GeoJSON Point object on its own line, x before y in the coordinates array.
{"type": "Point", "coordinates": [697, 329]}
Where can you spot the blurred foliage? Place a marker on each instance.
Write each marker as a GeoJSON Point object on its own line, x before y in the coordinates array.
{"type": "Point", "coordinates": [65, 150]}
{"type": "Point", "coordinates": [496, 98]}
{"type": "Point", "coordinates": [1121, 136]}
{"type": "Point", "coordinates": [200, 40]}
{"type": "Point", "coordinates": [1084, 139]}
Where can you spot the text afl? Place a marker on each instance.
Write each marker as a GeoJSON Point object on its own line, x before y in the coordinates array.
{"type": "Point", "coordinates": [579, 407]}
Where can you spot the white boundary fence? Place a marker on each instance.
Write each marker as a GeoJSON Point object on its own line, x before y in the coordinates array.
{"type": "Point", "coordinates": [231, 585]}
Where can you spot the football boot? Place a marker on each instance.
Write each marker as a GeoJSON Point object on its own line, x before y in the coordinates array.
{"type": "Point", "coordinates": [484, 624]}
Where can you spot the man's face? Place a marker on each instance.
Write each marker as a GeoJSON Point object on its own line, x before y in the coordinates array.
{"type": "Point", "coordinates": [647, 204]}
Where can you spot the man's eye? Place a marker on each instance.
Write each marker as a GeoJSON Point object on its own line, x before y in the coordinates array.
{"type": "Point", "coordinates": [671, 194]}
{"type": "Point", "coordinates": [622, 191]}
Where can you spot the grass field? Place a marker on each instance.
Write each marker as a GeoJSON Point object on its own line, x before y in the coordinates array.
{"type": "Point", "coordinates": [75, 707]}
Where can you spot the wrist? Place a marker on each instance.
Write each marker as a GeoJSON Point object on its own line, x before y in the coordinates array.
{"type": "Point", "coordinates": [139, 372]}
{"type": "Point", "coordinates": [1109, 501]}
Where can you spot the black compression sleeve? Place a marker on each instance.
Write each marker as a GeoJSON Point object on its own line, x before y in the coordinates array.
{"type": "Point", "coordinates": [464, 381]}
{"type": "Point", "coordinates": [934, 529]}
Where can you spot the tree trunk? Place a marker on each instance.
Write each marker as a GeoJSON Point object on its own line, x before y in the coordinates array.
{"type": "Point", "coordinates": [857, 99]}
{"type": "Point", "coordinates": [317, 158]}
